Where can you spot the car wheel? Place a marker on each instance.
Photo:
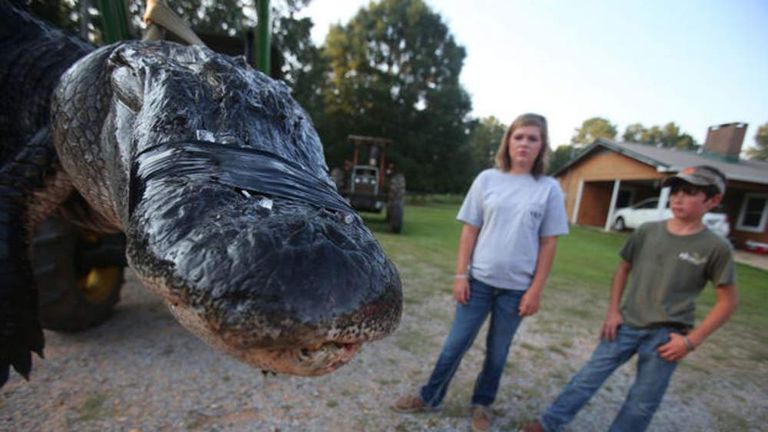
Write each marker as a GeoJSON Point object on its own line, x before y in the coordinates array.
{"type": "Point", "coordinates": [619, 224]}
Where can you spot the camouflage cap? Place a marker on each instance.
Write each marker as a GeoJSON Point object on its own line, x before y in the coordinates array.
{"type": "Point", "coordinates": [702, 175]}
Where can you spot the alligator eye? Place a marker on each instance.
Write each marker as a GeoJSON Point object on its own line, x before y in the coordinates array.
{"type": "Point", "coordinates": [127, 88]}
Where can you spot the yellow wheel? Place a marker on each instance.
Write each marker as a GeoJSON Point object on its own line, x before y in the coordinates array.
{"type": "Point", "coordinates": [78, 276]}
{"type": "Point", "coordinates": [99, 283]}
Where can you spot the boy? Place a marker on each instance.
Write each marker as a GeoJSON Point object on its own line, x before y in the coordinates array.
{"type": "Point", "coordinates": [668, 263]}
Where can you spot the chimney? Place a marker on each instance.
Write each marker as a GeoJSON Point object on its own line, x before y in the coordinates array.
{"type": "Point", "coordinates": [725, 140]}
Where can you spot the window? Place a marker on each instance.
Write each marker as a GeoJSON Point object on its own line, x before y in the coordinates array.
{"type": "Point", "coordinates": [625, 197]}
{"type": "Point", "coordinates": [754, 212]}
{"type": "Point", "coordinates": [651, 203]}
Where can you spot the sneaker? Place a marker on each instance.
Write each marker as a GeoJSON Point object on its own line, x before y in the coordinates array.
{"type": "Point", "coordinates": [481, 419]}
{"type": "Point", "coordinates": [533, 426]}
{"type": "Point", "coordinates": [410, 404]}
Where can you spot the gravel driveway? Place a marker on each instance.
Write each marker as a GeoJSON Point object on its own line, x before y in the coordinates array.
{"type": "Point", "coordinates": [141, 371]}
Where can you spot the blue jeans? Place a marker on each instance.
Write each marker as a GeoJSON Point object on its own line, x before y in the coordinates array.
{"type": "Point", "coordinates": [502, 304]}
{"type": "Point", "coordinates": [653, 375]}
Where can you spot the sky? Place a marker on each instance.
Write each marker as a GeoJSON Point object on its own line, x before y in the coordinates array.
{"type": "Point", "coordinates": [697, 63]}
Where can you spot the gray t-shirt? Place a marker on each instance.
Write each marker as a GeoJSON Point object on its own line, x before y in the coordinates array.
{"type": "Point", "coordinates": [512, 211]}
{"type": "Point", "coordinates": [669, 271]}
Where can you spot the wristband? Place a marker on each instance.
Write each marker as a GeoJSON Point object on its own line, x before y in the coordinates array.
{"type": "Point", "coordinates": [461, 276]}
{"type": "Point", "coordinates": [688, 343]}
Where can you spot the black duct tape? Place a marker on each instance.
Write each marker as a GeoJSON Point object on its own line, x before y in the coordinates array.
{"type": "Point", "coordinates": [253, 170]}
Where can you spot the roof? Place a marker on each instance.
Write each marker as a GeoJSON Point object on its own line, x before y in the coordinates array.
{"type": "Point", "coordinates": [673, 160]}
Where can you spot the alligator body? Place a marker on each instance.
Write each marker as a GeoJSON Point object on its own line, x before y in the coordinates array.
{"type": "Point", "coordinates": [215, 175]}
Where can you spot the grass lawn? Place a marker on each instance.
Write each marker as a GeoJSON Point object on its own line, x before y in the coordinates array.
{"type": "Point", "coordinates": [585, 261]}
{"type": "Point", "coordinates": [573, 308]}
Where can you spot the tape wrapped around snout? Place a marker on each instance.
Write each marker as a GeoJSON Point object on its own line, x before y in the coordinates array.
{"type": "Point", "coordinates": [253, 170]}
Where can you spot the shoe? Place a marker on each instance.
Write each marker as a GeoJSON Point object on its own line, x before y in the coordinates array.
{"type": "Point", "coordinates": [481, 419]}
{"type": "Point", "coordinates": [533, 426]}
{"type": "Point", "coordinates": [410, 404]}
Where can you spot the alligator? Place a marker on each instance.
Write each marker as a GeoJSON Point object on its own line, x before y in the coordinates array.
{"type": "Point", "coordinates": [216, 177]}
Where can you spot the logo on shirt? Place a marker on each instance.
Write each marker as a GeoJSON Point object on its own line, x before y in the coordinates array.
{"type": "Point", "coordinates": [536, 214]}
{"type": "Point", "coordinates": [693, 258]}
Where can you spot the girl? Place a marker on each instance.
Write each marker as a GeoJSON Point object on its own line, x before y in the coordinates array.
{"type": "Point", "coordinates": [512, 215]}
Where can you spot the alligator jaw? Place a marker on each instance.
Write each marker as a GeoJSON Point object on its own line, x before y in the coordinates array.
{"type": "Point", "coordinates": [290, 288]}
{"type": "Point", "coordinates": [313, 358]}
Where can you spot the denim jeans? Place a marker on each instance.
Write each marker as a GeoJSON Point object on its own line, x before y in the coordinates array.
{"type": "Point", "coordinates": [653, 375]}
{"type": "Point", "coordinates": [502, 304]}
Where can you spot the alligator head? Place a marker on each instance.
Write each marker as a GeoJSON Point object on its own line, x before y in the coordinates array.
{"type": "Point", "coordinates": [218, 179]}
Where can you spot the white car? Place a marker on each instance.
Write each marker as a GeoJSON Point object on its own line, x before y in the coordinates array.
{"type": "Point", "coordinates": [647, 211]}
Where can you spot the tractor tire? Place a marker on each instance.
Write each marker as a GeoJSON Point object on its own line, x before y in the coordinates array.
{"type": "Point", "coordinates": [395, 217]}
{"type": "Point", "coordinates": [619, 225]}
{"type": "Point", "coordinates": [337, 175]}
{"type": "Point", "coordinates": [78, 274]}
{"type": "Point", "coordinates": [396, 203]}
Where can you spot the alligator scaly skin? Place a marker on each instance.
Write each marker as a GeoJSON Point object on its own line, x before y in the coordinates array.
{"type": "Point", "coordinates": [216, 176]}
{"type": "Point", "coordinates": [32, 59]}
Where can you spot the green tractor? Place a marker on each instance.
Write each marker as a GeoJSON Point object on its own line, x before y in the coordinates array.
{"type": "Point", "coordinates": [369, 181]}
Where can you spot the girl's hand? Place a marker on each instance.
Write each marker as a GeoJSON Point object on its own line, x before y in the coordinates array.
{"type": "Point", "coordinates": [461, 290]}
{"type": "Point", "coordinates": [529, 304]}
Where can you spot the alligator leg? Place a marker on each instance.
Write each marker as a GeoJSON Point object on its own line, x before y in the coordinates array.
{"type": "Point", "coordinates": [26, 175]}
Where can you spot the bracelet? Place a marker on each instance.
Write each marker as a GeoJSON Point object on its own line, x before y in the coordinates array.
{"type": "Point", "coordinates": [461, 276]}
{"type": "Point", "coordinates": [688, 343]}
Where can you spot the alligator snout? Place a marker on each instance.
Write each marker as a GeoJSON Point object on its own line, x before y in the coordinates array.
{"type": "Point", "coordinates": [280, 284]}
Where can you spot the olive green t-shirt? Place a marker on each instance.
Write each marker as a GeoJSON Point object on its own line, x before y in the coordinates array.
{"type": "Point", "coordinates": [668, 273]}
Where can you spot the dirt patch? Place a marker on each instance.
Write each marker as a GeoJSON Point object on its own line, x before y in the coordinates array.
{"type": "Point", "coordinates": [142, 371]}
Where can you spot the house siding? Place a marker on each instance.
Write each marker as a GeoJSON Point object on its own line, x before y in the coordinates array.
{"type": "Point", "coordinates": [601, 167]}
{"type": "Point", "coordinates": [598, 171]}
{"type": "Point", "coordinates": [734, 197]}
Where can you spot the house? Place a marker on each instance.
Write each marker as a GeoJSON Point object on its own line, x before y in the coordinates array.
{"type": "Point", "coordinates": [608, 175]}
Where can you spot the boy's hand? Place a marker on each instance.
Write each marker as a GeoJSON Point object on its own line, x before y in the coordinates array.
{"type": "Point", "coordinates": [675, 349]}
{"type": "Point", "coordinates": [529, 304]}
{"type": "Point", "coordinates": [461, 290]}
{"type": "Point", "coordinates": [610, 325]}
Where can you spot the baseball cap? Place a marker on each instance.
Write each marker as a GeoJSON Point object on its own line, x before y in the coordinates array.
{"type": "Point", "coordinates": [702, 175]}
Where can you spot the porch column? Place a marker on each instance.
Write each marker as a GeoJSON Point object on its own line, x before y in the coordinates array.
{"type": "Point", "coordinates": [663, 199]}
{"type": "Point", "coordinates": [577, 203]}
{"type": "Point", "coordinates": [612, 206]}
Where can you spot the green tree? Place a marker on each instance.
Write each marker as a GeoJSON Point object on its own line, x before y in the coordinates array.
{"type": "Point", "coordinates": [668, 136]}
{"type": "Point", "coordinates": [394, 72]}
{"type": "Point", "coordinates": [62, 13]}
{"type": "Point", "coordinates": [592, 129]}
{"type": "Point", "coordinates": [760, 151]}
{"type": "Point", "coordinates": [561, 156]}
{"type": "Point", "coordinates": [686, 142]}
{"type": "Point", "coordinates": [484, 142]}
{"type": "Point", "coordinates": [652, 136]}
{"type": "Point", "coordinates": [232, 18]}
{"type": "Point", "coordinates": [634, 133]}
